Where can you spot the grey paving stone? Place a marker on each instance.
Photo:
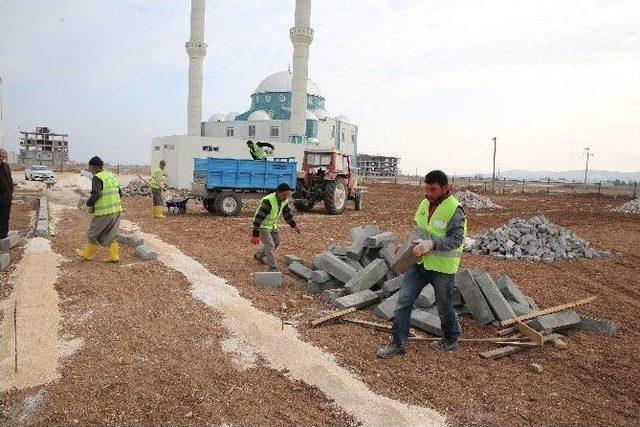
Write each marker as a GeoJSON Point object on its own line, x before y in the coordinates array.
{"type": "Point", "coordinates": [317, 287]}
{"type": "Point", "coordinates": [386, 308]}
{"type": "Point", "coordinates": [426, 298]}
{"type": "Point", "coordinates": [498, 303]}
{"type": "Point", "coordinates": [358, 300]}
{"type": "Point", "coordinates": [13, 239]}
{"type": "Point", "coordinates": [353, 263]}
{"type": "Point", "coordinates": [320, 276]}
{"type": "Point", "coordinates": [146, 253]}
{"type": "Point", "coordinates": [367, 277]}
{"type": "Point", "coordinates": [330, 295]}
{"type": "Point", "coordinates": [300, 270]}
{"type": "Point", "coordinates": [268, 279]}
{"type": "Point", "coordinates": [5, 259]}
{"type": "Point", "coordinates": [555, 321]}
{"type": "Point", "coordinates": [288, 259]}
{"type": "Point", "coordinates": [357, 246]}
{"type": "Point", "coordinates": [388, 253]}
{"type": "Point", "coordinates": [473, 297]}
{"type": "Point", "coordinates": [426, 321]}
{"type": "Point", "coordinates": [393, 285]}
{"type": "Point", "coordinates": [510, 290]}
{"type": "Point", "coordinates": [380, 239]}
{"type": "Point", "coordinates": [597, 325]}
{"type": "Point", "coordinates": [520, 309]}
{"type": "Point", "coordinates": [335, 267]}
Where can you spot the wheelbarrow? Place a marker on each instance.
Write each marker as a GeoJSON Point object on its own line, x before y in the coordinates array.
{"type": "Point", "coordinates": [177, 205]}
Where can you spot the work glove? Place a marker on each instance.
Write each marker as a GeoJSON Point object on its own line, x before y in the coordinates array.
{"type": "Point", "coordinates": [255, 240]}
{"type": "Point", "coordinates": [422, 246]}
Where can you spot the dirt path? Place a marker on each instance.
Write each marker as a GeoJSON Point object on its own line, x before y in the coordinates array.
{"type": "Point", "coordinates": [284, 350]}
{"type": "Point", "coordinates": [37, 323]}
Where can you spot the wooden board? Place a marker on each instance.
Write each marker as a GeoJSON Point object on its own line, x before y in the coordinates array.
{"type": "Point", "coordinates": [535, 336]}
{"type": "Point", "coordinates": [549, 310]}
{"type": "Point", "coordinates": [497, 353]}
{"type": "Point", "coordinates": [332, 316]}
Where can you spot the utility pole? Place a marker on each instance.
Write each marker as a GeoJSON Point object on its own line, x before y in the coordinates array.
{"type": "Point", "coordinates": [586, 168]}
{"type": "Point", "coordinates": [493, 177]}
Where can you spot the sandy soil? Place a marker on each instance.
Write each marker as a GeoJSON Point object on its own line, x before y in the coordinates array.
{"type": "Point", "coordinates": [593, 382]}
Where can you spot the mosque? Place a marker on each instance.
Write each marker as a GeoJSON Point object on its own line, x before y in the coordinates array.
{"type": "Point", "coordinates": [287, 110]}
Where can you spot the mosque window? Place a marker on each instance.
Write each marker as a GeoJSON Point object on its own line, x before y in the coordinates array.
{"type": "Point", "coordinates": [342, 137]}
{"type": "Point", "coordinates": [267, 98]}
{"type": "Point", "coordinates": [230, 132]}
{"type": "Point", "coordinates": [353, 137]}
{"type": "Point", "coordinates": [283, 97]}
{"type": "Point", "coordinates": [156, 147]}
{"type": "Point", "coordinates": [252, 130]}
{"type": "Point", "coordinates": [274, 132]}
{"type": "Point", "coordinates": [333, 131]}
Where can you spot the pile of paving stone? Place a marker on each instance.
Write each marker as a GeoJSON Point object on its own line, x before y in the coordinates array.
{"type": "Point", "coordinates": [362, 275]}
{"type": "Point", "coordinates": [534, 239]}
{"type": "Point", "coordinates": [136, 187]}
{"type": "Point", "coordinates": [473, 200]}
{"type": "Point", "coordinates": [632, 207]}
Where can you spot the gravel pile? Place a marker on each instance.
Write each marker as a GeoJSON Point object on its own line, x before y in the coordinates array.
{"type": "Point", "coordinates": [136, 187]}
{"type": "Point", "coordinates": [632, 207]}
{"type": "Point", "coordinates": [475, 201]}
{"type": "Point", "coordinates": [535, 239]}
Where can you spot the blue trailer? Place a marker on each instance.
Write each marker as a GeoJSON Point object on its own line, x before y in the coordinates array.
{"type": "Point", "coordinates": [223, 183]}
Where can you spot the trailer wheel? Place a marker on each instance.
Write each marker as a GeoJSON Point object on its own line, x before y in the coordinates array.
{"type": "Point", "coordinates": [335, 196]}
{"type": "Point", "coordinates": [209, 205]}
{"type": "Point", "coordinates": [228, 204]}
{"type": "Point", "coordinates": [357, 199]}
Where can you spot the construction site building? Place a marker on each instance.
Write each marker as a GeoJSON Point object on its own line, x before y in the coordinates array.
{"type": "Point", "coordinates": [372, 165]}
{"type": "Point", "coordinates": [44, 147]}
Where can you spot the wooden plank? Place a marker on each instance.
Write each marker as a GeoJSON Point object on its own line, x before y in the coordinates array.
{"type": "Point", "coordinates": [507, 331]}
{"type": "Point", "coordinates": [491, 339]}
{"type": "Point", "coordinates": [535, 336]}
{"type": "Point", "coordinates": [332, 316]}
{"type": "Point", "coordinates": [516, 343]}
{"type": "Point", "coordinates": [549, 310]}
{"type": "Point", "coordinates": [375, 325]}
{"type": "Point", "coordinates": [497, 353]}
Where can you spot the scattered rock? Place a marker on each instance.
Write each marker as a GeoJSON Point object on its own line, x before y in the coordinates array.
{"type": "Point", "coordinates": [535, 367]}
{"type": "Point", "coordinates": [473, 200]}
{"type": "Point", "coordinates": [632, 207]}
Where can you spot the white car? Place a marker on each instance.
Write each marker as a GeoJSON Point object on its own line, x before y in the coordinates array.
{"type": "Point", "coordinates": [38, 172]}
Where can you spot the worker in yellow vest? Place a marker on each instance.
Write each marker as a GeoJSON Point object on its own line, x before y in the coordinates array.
{"type": "Point", "coordinates": [106, 207]}
{"type": "Point", "coordinates": [158, 183]}
{"type": "Point", "coordinates": [441, 220]}
{"type": "Point", "coordinates": [257, 149]}
{"type": "Point", "coordinates": [265, 224]}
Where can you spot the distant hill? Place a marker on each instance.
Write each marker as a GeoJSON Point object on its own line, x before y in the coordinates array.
{"type": "Point", "coordinates": [574, 175]}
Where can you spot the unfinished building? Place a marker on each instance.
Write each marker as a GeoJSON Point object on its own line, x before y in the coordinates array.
{"type": "Point", "coordinates": [44, 147]}
{"type": "Point", "coordinates": [372, 165]}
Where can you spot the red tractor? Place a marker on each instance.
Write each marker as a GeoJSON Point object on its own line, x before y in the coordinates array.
{"type": "Point", "coordinates": [326, 176]}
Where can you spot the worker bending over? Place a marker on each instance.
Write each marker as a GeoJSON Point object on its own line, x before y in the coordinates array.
{"type": "Point", "coordinates": [265, 224]}
{"type": "Point", "coordinates": [257, 151]}
{"type": "Point", "coordinates": [105, 205]}
{"type": "Point", "coordinates": [157, 184]}
{"type": "Point", "coordinates": [442, 218]}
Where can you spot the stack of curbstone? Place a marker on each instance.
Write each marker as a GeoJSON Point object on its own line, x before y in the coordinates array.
{"type": "Point", "coordinates": [42, 219]}
{"type": "Point", "coordinates": [632, 207]}
{"type": "Point", "coordinates": [535, 239]}
{"type": "Point", "coordinates": [473, 200]}
{"type": "Point", "coordinates": [144, 251]}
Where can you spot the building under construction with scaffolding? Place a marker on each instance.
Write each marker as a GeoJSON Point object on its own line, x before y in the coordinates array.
{"type": "Point", "coordinates": [370, 165]}
{"type": "Point", "coordinates": [44, 147]}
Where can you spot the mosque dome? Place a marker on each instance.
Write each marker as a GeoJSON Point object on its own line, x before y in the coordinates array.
{"type": "Point", "coordinates": [342, 119]}
{"type": "Point", "coordinates": [259, 115]}
{"type": "Point", "coordinates": [217, 117]}
{"type": "Point", "coordinates": [281, 82]}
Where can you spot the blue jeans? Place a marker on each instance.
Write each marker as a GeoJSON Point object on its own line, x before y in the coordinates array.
{"type": "Point", "coordinates": [415, 279]}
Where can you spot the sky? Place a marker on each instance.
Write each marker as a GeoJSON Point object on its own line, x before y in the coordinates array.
{"type": "Point", "coordinates": [431, 82]}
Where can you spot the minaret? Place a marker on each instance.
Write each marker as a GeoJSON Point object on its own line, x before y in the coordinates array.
{"type": "Point", "coordinates": [196, 49]}
{"type": "Point", "coordinates": [301, 37]}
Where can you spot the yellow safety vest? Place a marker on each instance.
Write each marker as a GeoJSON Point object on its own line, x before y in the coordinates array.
{"type": "Point", "coordinates": [109, 201]}
{"type": "Point", "coordinates": [271, 221]}
{"type": "Point", "coordinates": [441, 261]}
{"type": "Point", "coordinates": [157, 179]}
{"type": "Point", "coordinates": [258, 151]}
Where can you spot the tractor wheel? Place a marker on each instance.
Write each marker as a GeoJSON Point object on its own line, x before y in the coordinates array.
{"type": "Point", "coordinates": [304, 206]}
{"type": "Point", "coordinates": [209, 205]}
{"type": "Point", "coordinates": [228, 204]}
{"type": "Point", "coordinates": [357, 199]}
{"type": "Point", "coordinates": [335, 196]}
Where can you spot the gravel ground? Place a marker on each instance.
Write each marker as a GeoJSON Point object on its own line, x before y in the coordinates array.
{"type": "Point", "coordinates": [593, 382]}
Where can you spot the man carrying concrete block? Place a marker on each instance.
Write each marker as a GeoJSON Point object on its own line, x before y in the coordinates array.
{"type": "Point", "coordinates": [265, 224]}
{"type": "Point", "coordinates": [438, 257]}
{"type": "Point", "coordinates": [105, 205]}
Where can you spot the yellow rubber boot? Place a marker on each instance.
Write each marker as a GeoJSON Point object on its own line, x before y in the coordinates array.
{"type": "Point", "coordinates": [88, 252]}
{"type": "Point", "coordinates": [159, 212]}
{"type": "Point", "coordinates": [154, 211]}
{"type": "Point", "coordinates": [113, 252]}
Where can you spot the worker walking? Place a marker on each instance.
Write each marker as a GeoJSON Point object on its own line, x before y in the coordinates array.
{"type": "Point", "coordinates": [442, 218]}
{"type": "Point", "coordinates": [257, 151]}
{"type": "Point", "coordinates": [106, 207]}
{"type": "Point", "coordinates": [6, 193]}
{"type": "Point", "coordinates": [265, 224]}
{"type": "Point", "coordinates": [157, 184]}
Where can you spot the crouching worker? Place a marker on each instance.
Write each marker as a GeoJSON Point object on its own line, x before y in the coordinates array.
{"type": "Point", "coordinates": [442, 218]}
{"type": "Point", "coordinates": [265, 224]}
{"type": "Point", "coordinates": [105, 205]}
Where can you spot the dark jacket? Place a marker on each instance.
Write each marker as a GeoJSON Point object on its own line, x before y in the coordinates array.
{"type": "Point", "coordinates": [6, 181]}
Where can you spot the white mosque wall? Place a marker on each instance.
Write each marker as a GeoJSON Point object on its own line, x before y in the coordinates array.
{"type": "Point", "coordinates": [241, 130]}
